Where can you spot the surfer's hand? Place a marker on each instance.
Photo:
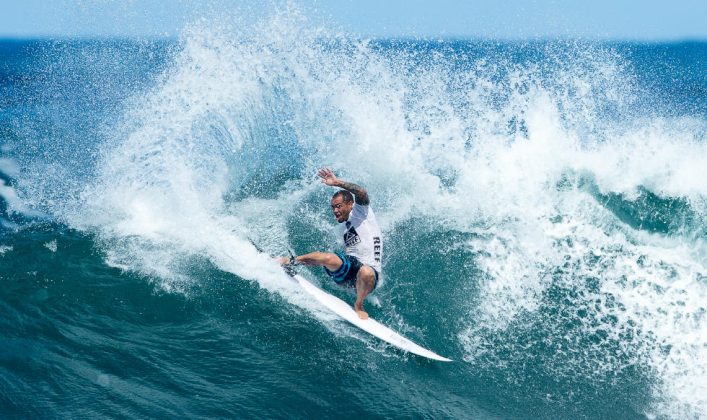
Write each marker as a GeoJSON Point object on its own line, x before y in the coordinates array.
{"type": "Point", "coordinates": [328, 177]}
{"type": "Point", "coordinates": [362, 314]}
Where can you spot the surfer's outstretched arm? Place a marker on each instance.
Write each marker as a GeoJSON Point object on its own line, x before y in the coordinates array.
{"type": "Point", "coordinates": [360, 193]}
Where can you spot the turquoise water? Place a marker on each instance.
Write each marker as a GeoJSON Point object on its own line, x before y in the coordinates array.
{"type": "Point", "coordinates": [543, 206]}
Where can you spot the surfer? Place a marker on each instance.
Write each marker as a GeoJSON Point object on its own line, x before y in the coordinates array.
{"type": "Point", "coordinates": [359, 266]}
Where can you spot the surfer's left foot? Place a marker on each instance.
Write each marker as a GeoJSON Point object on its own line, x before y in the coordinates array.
{"type": "Point", "coordinates": [362, 314]}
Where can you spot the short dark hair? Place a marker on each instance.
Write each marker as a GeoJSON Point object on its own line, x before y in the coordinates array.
{"type": "Point", "coordinates": [345, 195]}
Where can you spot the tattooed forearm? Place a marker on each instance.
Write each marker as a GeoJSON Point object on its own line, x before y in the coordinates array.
{"type": "Point", "coordinates": [359, 192]}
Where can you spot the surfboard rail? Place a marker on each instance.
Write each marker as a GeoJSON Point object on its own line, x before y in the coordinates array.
{"type": "Point", "coordinates": [370, 325]}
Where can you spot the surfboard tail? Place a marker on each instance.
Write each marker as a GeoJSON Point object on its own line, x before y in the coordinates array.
{"type": "Point", "coordinates": [370, 325]}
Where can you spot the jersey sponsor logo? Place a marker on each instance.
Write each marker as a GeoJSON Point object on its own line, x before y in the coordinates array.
{"type": "Point", "coordinates": [377, 248]}
{"type": "Point", "coordinates": [351, 237]}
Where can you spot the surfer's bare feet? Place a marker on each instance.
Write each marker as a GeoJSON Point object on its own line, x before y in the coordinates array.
{"type": "Point", "coordinates": [282, 260]}
{"type": "Point", "coordinates": [362, 314]}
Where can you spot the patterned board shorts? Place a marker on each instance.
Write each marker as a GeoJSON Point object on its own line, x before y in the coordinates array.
{"type": "Point", "coordinates": [346, 274]}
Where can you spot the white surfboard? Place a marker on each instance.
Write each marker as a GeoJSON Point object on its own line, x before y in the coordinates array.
{"type": "Point", "coordinates": [369, 325]}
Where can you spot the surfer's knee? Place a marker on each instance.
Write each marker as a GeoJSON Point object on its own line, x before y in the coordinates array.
{"type": "Point", "coordinates": [366, 275]}
{"type": "Point", "coordinates": [331, 259]}
{"type": "Point", "coordinates": [366, 271]}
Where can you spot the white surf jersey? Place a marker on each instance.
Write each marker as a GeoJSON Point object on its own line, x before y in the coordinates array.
{"type": "Point", "coordinates": [362, 236]}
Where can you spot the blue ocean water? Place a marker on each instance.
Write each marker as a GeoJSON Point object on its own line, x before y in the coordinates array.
{"type": "Point", "coordinates": [543, 205]}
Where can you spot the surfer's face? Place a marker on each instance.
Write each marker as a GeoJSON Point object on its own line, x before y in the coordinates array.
{"type": "Point", "coordinates": [341, 209]}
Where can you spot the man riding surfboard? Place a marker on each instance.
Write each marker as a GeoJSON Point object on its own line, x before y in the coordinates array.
{"type": "Point", "coordinates": [359, 266]}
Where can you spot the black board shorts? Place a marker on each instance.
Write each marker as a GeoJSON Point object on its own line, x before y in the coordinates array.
{"type": "Point", "coordinates": [346, 274]}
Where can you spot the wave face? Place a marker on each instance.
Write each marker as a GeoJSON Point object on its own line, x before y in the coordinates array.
{"type": "Point", "coordinates": [543, 205]}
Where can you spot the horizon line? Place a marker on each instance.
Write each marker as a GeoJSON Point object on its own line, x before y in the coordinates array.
{"type": "Point", "coordinates": [437, 38]}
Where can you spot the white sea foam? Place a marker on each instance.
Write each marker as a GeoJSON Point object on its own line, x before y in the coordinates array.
{"type": "Point", "coordinates": [9, 167]}
{"type": "Point", "coordinates": [51, 245]}
{"type": "Point", "coordinates": [14, 202]}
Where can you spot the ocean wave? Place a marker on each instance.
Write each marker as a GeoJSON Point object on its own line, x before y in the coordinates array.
{"type": "Point", "coordinates": [577, 210]}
